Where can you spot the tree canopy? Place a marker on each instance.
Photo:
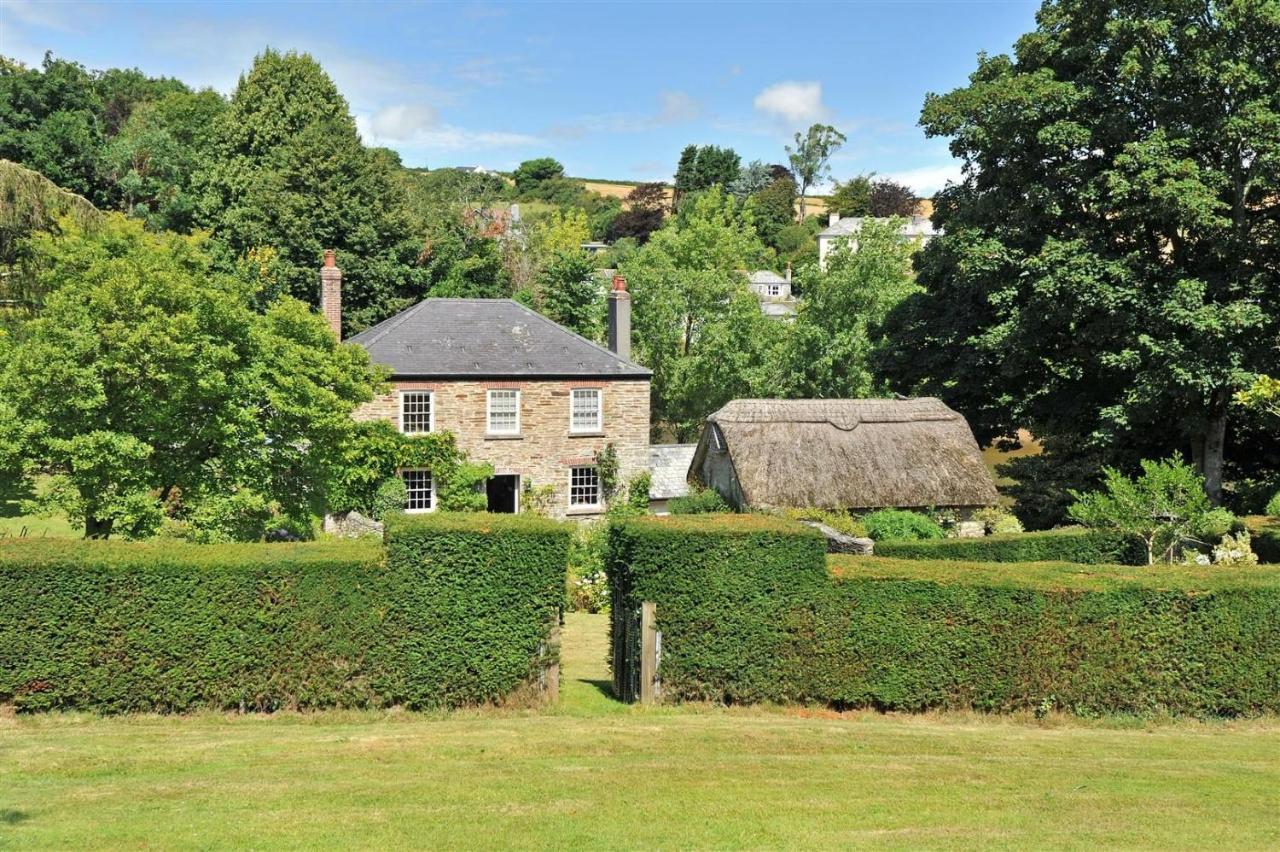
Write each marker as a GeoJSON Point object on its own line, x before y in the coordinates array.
{"type": "Point", "coordinates": [811, 155]}
{"type": "Point", "coordinates": [682, 282]}
{"type": "Point", "coordinates": [290, 172]}
{"type": "Point", "coordinates": [148, 378]}
{"type": "Point", "coordinates": [1110, 272]}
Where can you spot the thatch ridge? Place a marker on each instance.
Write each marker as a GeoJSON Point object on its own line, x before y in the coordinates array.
{"type": "Point", "coordinates": [850, 453]}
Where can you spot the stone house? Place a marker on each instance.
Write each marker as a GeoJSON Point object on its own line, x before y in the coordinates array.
{"type": "Point", "coordinates": [518, 391]}
{"type": "Point", "coordinates": [856, 454]}
{"type": "Point", "coordinates": [845, 230]}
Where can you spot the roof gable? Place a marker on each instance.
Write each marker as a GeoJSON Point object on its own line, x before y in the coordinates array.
{"type": "Point", "coordinates": [447, 338]}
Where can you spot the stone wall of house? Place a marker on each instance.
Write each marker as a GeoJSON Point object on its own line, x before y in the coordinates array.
{"type": "Point", "coordinates": [545, 449]}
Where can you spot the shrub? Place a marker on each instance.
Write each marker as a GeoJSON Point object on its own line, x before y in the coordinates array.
{"type": "Point", "coordinates": [748, 612]}
{"type": "Point", "coordinates": [1162, 506]}
{"type": "Point", "coordinates": [837, 520]}
{"type": "Point", "coordinates": [587, 589]}
{"type": "Point", "coordinates": [243, 516]}
{"type": "Point", "coordinates": [1080, 546]}
{"type": "Point", "coordinates": [1273, 506]}
{"type": "Point", "coordinates": [1215, 524]}
{"type": "Point", "coordinates": [998, 521]}
{"type": "Point", "coordinates": [638, 491]}
{"type": "Point", "coordinates": [493, 586]}
{"type": "Point", "coordinates": [1234, 550]}
{"type": "Point", "coordinates": [390, 498]}
{"type": "Point", "coordinates": [458, 612]}
{"type": "Point", "coordinates": [900, 525]}
{"type": "Point", "coordinates": [700, 501]}
{"type": "Point", "coordinates": [376, 450]}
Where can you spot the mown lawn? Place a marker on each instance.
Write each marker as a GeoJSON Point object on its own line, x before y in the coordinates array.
{"type": "Point", "coordinates": [595, 774]}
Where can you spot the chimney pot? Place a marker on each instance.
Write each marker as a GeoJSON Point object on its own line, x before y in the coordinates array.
{"type": "Point", "coordinates": [330, 258]}
{"type": "Point", "coordinates": [619, 284]}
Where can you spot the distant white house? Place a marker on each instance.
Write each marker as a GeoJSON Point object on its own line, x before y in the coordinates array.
{"type": "Point", "coordinates": [774, 292]}
{"type": "Point", "coordinates": [838, 230]}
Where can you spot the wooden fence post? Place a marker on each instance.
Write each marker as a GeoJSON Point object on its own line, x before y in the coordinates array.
{"type": "Point", "coordinates": [551, 674]}
{"type": "Point", "coordinates": [648, 653]}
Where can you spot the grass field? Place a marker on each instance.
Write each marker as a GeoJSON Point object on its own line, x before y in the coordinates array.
{"type": "Point", "coordinates": [593, 773]}
{"type": "Point", "coordinates": [14, 523]}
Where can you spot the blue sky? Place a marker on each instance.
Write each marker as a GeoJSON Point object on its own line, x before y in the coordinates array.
{"type": "Point", "coordinates": [612, 90]}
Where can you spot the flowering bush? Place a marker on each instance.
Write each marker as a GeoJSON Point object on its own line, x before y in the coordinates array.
{"type": "Point", "coordinates": [1234, 550]}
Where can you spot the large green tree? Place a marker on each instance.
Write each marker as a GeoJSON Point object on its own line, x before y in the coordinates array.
{"type": "Point", "coordinates": [1111, 264]}
{"type": "Point", "coordinates": [150, 163]}
{"type": "Point", "coordinates": [851, 197]}
{"type": "Point", "coordinates": [56, 119]}
{"type": "Point", "coordinates": [147, 378]}
{"type": "Point", "coordinates": [704, 166]}
{"type": "Point", "coordinates": [569, 292]}
{"type": "Point", "coordinates": [838, 325]}
{"type": "Point", "coordinates": [289, 171]}
{"type": "Point", "coordinates": [811, 155]}
{"type": "Point", "coordinates": [686, 279]}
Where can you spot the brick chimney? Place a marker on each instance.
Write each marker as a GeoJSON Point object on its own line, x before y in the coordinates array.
{"type": "Point", "coordinates": [331, 293]}
{"type": "Point", "coordinates": [620, 319]}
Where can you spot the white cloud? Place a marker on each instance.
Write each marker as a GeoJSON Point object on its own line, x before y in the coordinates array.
{"type": "Point", "coordinates": [927, 180]}
{"type": "Point", "coordinates": [419, 126]}
{"type": "Point", "coordinates": [794, 101]}
{"type": "Point", "coordinates": [674, 107]}
{"type": "Point", "coordinates": [677, 108]}
{"type": "Point", "coordinates": [403, 121]}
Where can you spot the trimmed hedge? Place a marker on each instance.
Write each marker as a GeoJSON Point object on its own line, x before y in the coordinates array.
{"type": "Point", "coordinates": [490, 587]}
{"type": "Point", "coordinates": [756, 616]}
{"type": "Point", "coordinates": [1084, 547]}
{"type": "Point", "coordinates": [121, 627]}
{"type": "Point", "coordinates": [721, 582]}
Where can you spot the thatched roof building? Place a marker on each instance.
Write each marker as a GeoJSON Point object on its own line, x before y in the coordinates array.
{"type": "Point", "coordinates": [842, 453]}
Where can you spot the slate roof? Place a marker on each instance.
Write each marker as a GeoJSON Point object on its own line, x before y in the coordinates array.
{"type": "Point", "coordinates": [766, 276]}
{"type": "Point", "coordinates": [669, 470]}
{"type": "Point", "coordinates": [491, 338]}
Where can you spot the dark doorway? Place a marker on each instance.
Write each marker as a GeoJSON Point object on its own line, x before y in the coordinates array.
{"type": "Point", "coordinates": [504, 493]}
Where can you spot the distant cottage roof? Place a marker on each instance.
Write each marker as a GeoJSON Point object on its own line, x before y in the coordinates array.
{"type": "Point", "coordinates": [454, 338]}
{"type": "Point", "coordinates": [849, 453]}
{"type": "Point", "coordinates": [766, 276]}
{"type": "Point", "coordinates": [669, 470]}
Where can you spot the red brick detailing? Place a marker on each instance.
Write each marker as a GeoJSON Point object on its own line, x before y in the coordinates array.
{"type": "Point", "coordinates": [419, 386]}
{"type": "Point", "coordinates": [580, 461]}
{"type": "Point", "coordinates": [506, 385]}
